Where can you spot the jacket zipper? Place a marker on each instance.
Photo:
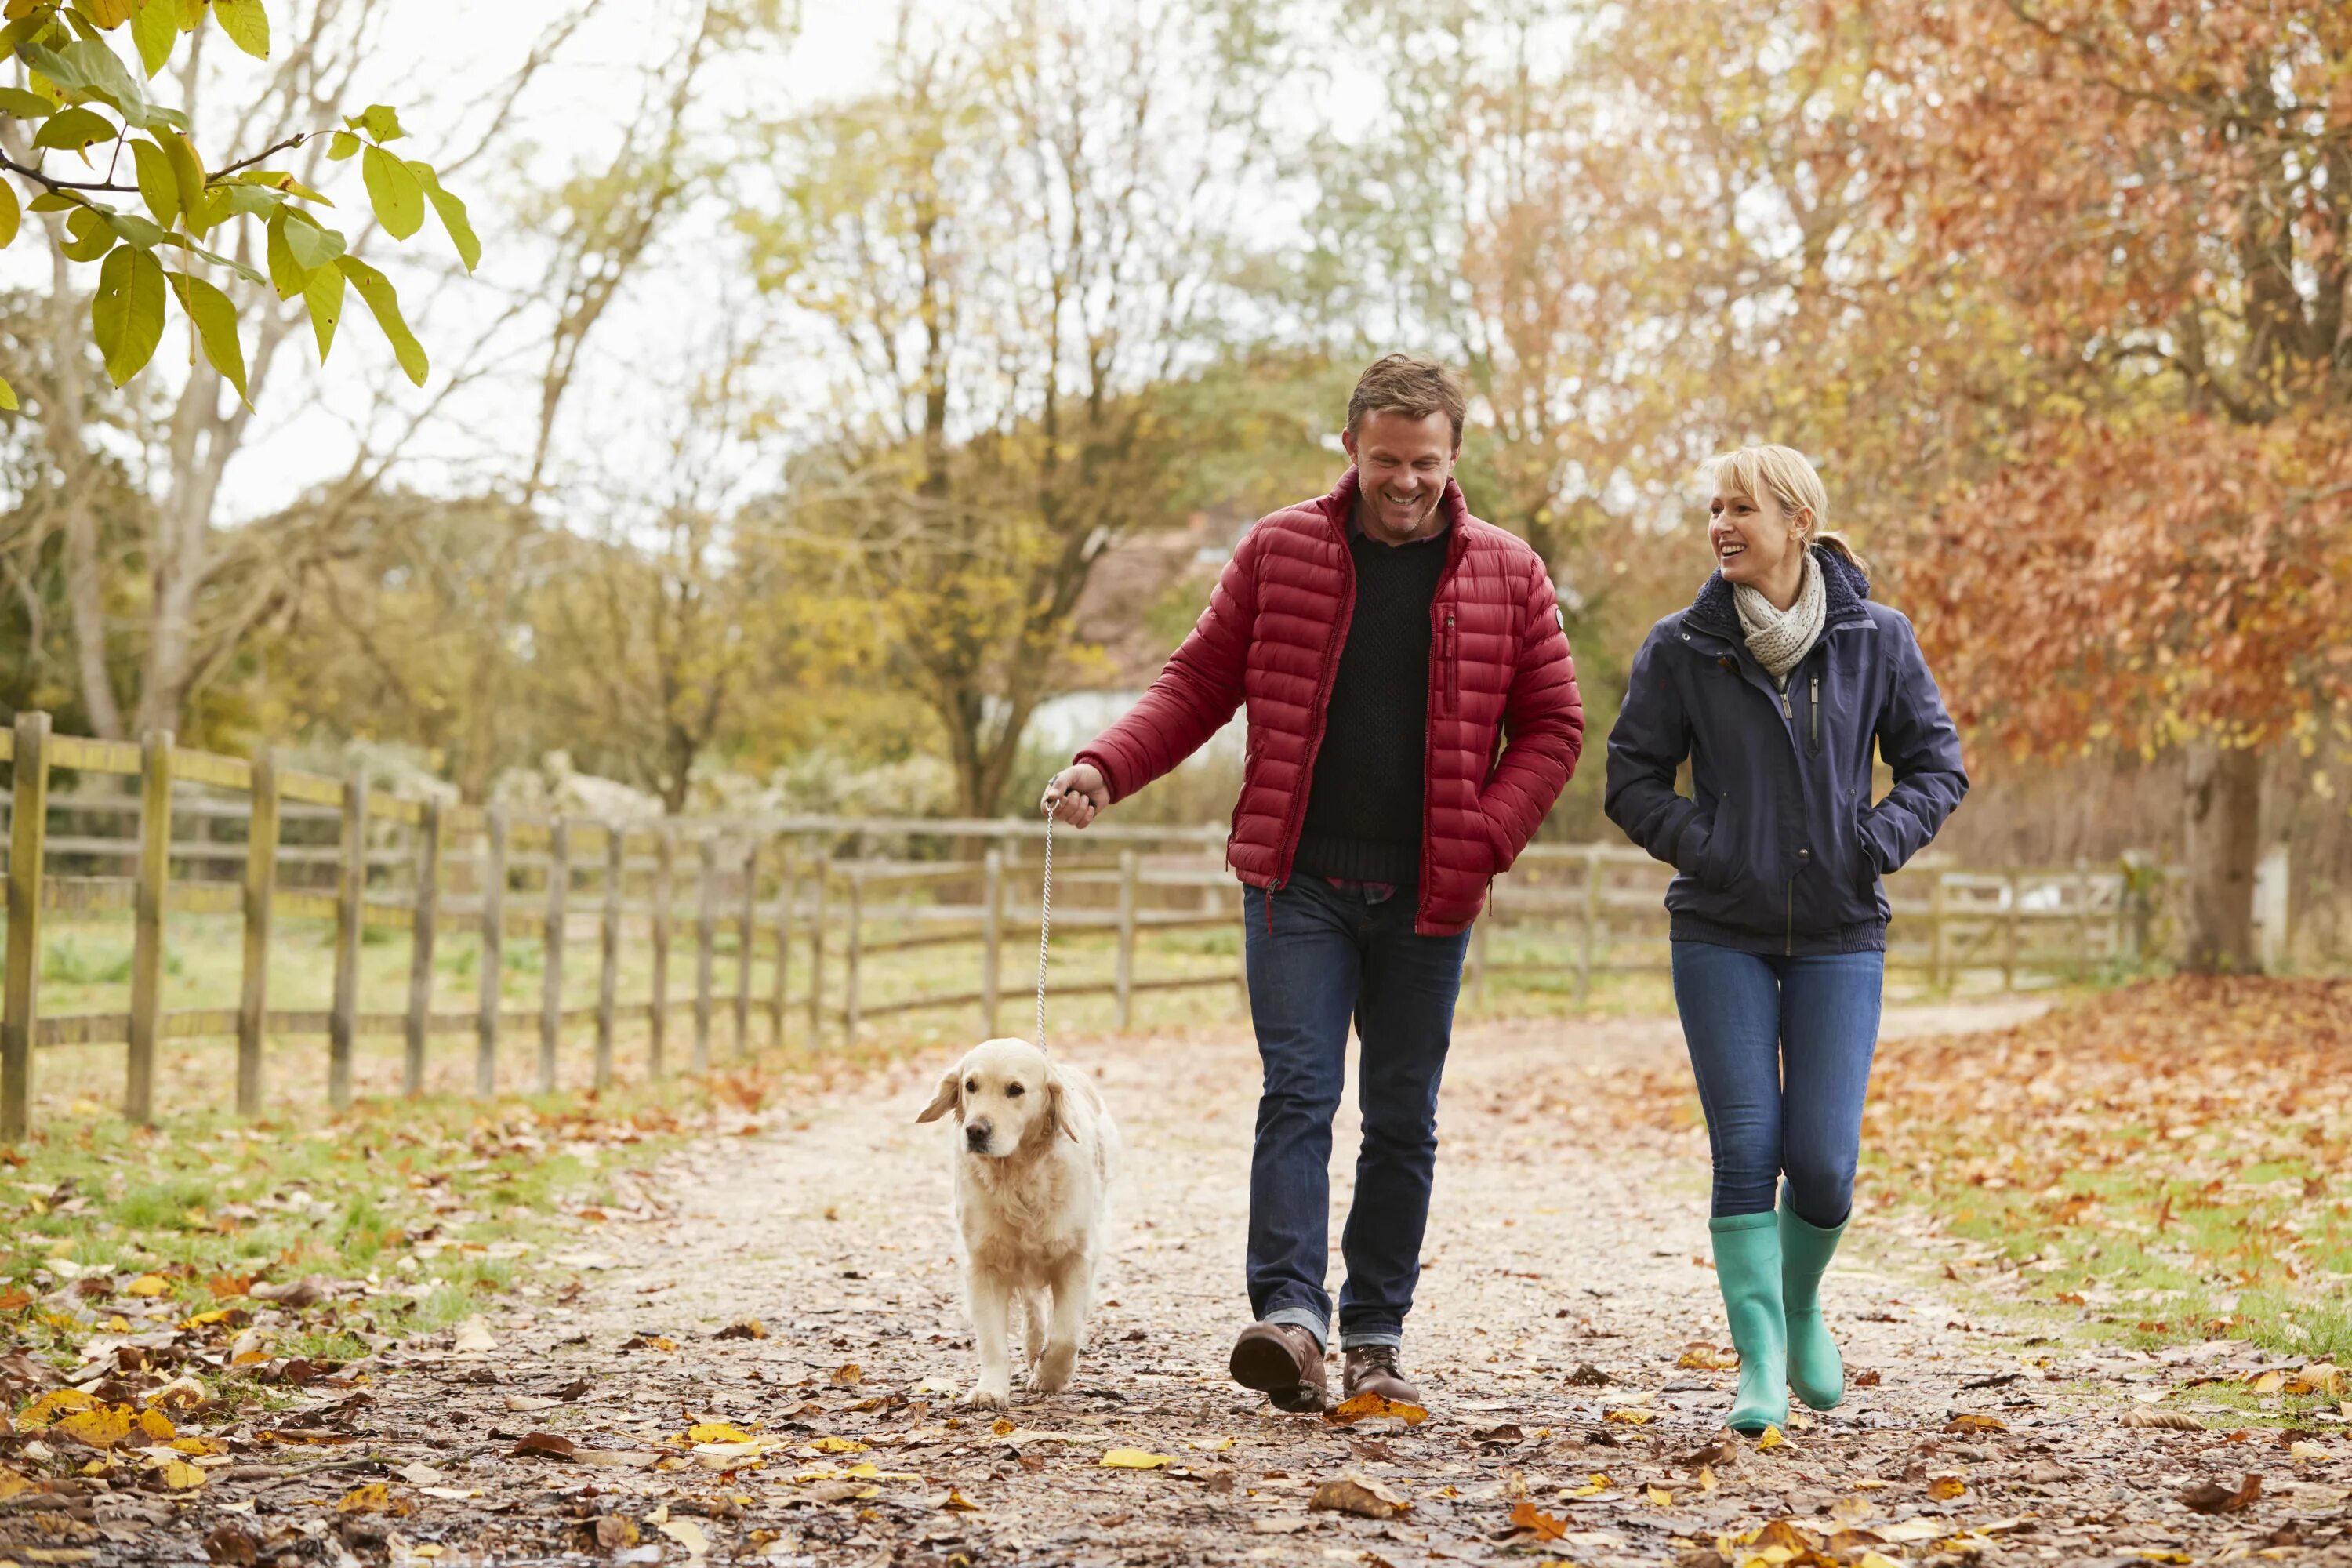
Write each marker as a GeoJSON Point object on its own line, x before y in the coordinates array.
{"type": "Point", "coordinates": [1453, 667]}
{"type": "Point", "coordinates": [1813, 715]}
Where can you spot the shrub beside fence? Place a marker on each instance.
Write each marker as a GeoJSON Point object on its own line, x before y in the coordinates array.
{"type": "Point", "coordinates": [836, 900]}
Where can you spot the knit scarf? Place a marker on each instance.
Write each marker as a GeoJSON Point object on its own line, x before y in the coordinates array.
{"type": "Point", "coordinates": [1780, 639]}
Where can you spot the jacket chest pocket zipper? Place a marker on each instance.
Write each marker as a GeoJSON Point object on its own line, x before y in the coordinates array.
{"type": "Point", "coordinates": [1453, 667]}
{"type": "Point", "coordinates": [1813, 714]}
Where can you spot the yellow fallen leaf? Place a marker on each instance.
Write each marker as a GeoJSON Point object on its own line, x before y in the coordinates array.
{"type": "Point", "coordinates": [838, 1446]}
{"type": "Point", "coordinates": [101, 1428]}
{"type": "Point", "coordinates": [848, 1376]}
{"type": "Point", "coordinates": [1364, 1406]}
{"type": "Point", "coordinates": [1629, 1418]}
{"type": "Point", "coordinates": [2306, 1453]}
{"type": "Point", "coordinates": [206, 1320]}
{"type": "Point", "coordinates": [687, 1533]}
{"type": "Point", "coordinates": [182, 1476]}
{"type": "Point", "coordinates": [1004, 1426]}
{"type": "Point", "coordinates": [716, 1432]}
{"type": "Point", "coordinates": [1136, 1460]}
{"type": "Point", "coordinates": [199, 1447]}
{"type": "Point", "coordinates": [1593, 1485]}
{"type": "Point", "coordinates": [1660, 1496]}
{"type": "Point", "coordinates": [956, 1502]}
{"type": "Point", "coordinates": [117, 1324]}
{"type": "Point", "coordinates": [147, 1286]}
{"type": "Point", "coordinates": [51, 1405]}
{"type": "Point", "coordinates": [1943, 1489]}
{"type": "Point", "coordinates": [373, 1498]}
{"type": "Point", "coordinates": [157, 1424]}
{"type": "Point", "coordinates": [1876, 1560]}
{"type": "Point", "coordinates": [1772, 1438]}
{"type": "Point", "coordinates": [2267, 1383]}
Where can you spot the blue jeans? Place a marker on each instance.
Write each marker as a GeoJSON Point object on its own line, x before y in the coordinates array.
{"type": "Point", "coordinates": [1782, 1049]}
{"type": "Point", "coordinates": [1319, 956]}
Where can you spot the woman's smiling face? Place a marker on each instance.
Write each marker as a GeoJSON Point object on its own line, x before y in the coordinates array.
{"type": "Point", "coordinates": [1753, 541]}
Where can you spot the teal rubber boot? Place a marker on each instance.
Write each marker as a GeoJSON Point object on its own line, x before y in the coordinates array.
{"type": "Point", "coordinates": [1748, 1269]}
{"type": "Point", "coordinates": [1815, 1370]}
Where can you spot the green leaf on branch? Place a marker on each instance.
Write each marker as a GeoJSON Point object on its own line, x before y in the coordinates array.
{"type": "Point", "coordinates": [22, 103]}
{"type": "Point", "coordinates": [342, 145]}
{"type": "Point", "coordinates": [398, 196]}
{"type": "Point", "coordinates": [127, 313]}
{"type": "Point", "coordinates": [89, 235]}
{"type": "Point", "coordinates": [133, 230]}
{"type": "Point", "coordinates": [452, 215]}
{"type": "Point", "coordinates": [156, 28]}
{"type": "Point", "coordinates": [159, 187]}
{"type": "Point", "coordinates": [380, 120]}
{"type": "Point", "coordinates": [216, 319]}
{"type": "Point", "coordinates": [276, 180]}
{"type": "Point", "coordinates": [12, 217]}
{"type": "Point", "coordinates": [383, 302]}
{"type": "Point", "coordinates": [107, 15]}
{"type": "Point", "coordinates": [247, 25]}
{"type": "Point", "coordinates": [313, 247]}
{"type": "Point", "coordinates": [89, 70]}
{"type": "Point", "coordinates": [286, 276]}
{"type": "Point", "coordinates": [324, 299]}
{"type": "Point", "coordinates": [71, 130]}
{"type": "Point", "coordinates": [188, 174]}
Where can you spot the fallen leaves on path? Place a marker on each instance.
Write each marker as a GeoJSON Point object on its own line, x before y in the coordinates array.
{"type": "Point", "coordinates": [2211, 1497]}
{"type": "Point", "coordinates": [1356, 1495]}
{"type": "Point", "coordinates": [1367, 1405]}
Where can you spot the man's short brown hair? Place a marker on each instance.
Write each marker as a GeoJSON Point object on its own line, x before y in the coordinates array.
{"type": "Point", "coordinates": [1409, 384]}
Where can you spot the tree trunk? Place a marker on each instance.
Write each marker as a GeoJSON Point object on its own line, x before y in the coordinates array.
{"type": "Point", "coordinates": [85, 576]}
{"type": "Point", "coordinates": [2225, 802]}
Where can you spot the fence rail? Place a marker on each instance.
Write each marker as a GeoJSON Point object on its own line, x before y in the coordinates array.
{"type": "Point", "coordinates": [827, 901]}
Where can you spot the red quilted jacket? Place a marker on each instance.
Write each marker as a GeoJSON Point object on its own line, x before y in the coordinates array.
{"type": "Point", "coordinates": [1506, 724]}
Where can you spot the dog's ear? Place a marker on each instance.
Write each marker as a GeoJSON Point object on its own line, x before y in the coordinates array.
{"type": "Point", "coordinates": [1056, 1105]}
{"type": "Point", "coordinates": [948, 1098]}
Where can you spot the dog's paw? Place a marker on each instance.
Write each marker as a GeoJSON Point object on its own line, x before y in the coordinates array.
{"type": "Point", "coordinates": [985, 1396]}
{"type": "Point", "coordinates": [1055, 1367]}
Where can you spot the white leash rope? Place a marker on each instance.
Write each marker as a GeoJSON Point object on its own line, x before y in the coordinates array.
{"type": "Point", "coordinates": [1045, 924]}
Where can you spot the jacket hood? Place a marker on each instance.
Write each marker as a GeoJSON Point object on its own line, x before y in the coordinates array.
{"type": "Point", "coordinates": [1842, 584]}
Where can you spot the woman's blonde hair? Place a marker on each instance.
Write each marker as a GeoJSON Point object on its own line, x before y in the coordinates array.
{"type": "Point", "coordinates": [1782, 474]}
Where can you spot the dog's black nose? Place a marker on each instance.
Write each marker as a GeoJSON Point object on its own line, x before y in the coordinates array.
{"type": "Point", "coordinates": [976, 1134]}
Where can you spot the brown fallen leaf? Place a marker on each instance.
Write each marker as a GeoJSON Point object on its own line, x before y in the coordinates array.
{"type": "Point", "coordinates": [1715, 1452]}
{"type": "Point", "coordinates": [1368, 1406]}
{"type": "Point", "coordinates": [848, 1375]}
{"type": "Point", "coordinates": [1976, 1424]}
{"type": "Point", "coordinates": [2168, 1420]}
{"type": "Point", "coordinates": [1355, 1494]}
{"type": "Point", "coordinates": [1527, 1516]}
{"type": "Point", "coordinates": [524, 1404]}
{"type": "Point", "coordinates": [613, 1533]}
{"type": "Point", "coordinates": [1943, 1489]}
{"type": "Point", "coordinates": [1868, 1379]}
{"type": "Point", "coordinates": [307, 1291]}
{"type": "Point", "coordinates": [232, 1546]}
{"type": "Point", "coordinates": [1587, 1375]}
{"type": "Point", "coordinates": [2212, 1497]}
{"type": "Point", "coordinates": [545, 1446]}
{"type": "Point", "coordinates": [569, 1391]}
{"type": "Point", "coordinates": [373, 1498]}
{"type": "Point", "coordinates": [649, 1342]}
{"type": "Point", "coordinates": [748, 1329]}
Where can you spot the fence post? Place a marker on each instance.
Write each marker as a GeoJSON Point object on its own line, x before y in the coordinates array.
{"type": "Point", "coordinates": [787, 886]}
{"type": "Point", "coordinates": [494, 937]}
{"type": "Point", "coordinates": [1124, 976]}
{"type": "Point", "coordinates": [550, 980]}
{"type": "Point", "coordinates": [1939, 965]}
{"type": "Point", "coordinates": [2081, 919]}
{"type": "Point", "coordinates": [2009, 931]}
{"type": "Point", "coordinates": [849, 998]}
{"type": "Point", "coordinates": [706, 922]}
{"type": "Point", "coordinates": [608, 954]}
{"type": "Point", "coordinates": [351, 909]}
{"type": "Point", "coordinates": [424, 928]}
{"type": "Point", "coordinates": [816, 949]}
{"type": "Point", "coordinates": [747, 928]}
{"type": "Point", "coordinates": [1588, 937]}
{"type": "Point", "coordinates": [260, 889]}
{"type": "Point", "coordinates": [992, 940]}
{"type": "Point", "coordinates": [665, 895]}
{"type": "Point", "coordinates": [28, 830]}
{"type": "Point", "coordinates": [147, 934]}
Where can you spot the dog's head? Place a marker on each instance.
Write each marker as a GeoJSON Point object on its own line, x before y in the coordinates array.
{"type": "Point", "coordinates": [1006, 1094]}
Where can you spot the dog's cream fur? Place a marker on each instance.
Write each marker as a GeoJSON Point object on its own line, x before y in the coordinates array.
{"type": "Point", "coordinates": [1033, 1171]}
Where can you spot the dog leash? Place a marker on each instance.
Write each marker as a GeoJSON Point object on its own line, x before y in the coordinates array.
{"type": "Point", "coordinates": [1045, 925]}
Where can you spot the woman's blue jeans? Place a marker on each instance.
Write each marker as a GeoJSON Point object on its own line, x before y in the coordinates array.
{"type": "Point", "coordinates": [1781, 1050]}
{"type": "Point", "coordinates": [1320, 957]}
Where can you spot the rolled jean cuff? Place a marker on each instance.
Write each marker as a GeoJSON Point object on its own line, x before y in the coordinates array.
{"type": "Point", "coordinates": [1305, 1318]}
{"type": "Point", "coordinates": [1355, 1338]}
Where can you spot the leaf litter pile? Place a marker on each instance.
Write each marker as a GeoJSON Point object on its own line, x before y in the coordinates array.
{"type": "Point", "coordinates": [762, 1364]}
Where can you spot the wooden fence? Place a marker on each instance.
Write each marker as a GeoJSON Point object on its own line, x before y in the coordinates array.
{"type": "Point", "coordinates": [803, 894]}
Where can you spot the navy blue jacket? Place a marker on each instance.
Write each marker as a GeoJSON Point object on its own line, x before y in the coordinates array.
{"type": "Point", "coordinates": [1783, 850]}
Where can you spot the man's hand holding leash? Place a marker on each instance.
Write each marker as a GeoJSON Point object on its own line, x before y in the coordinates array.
{"type": "Point", "coordinates": [1076, 793]}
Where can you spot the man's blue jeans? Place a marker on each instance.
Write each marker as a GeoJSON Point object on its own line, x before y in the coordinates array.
{"type": "Point", "coordinates": [1319, 956]}
{"type": "Point", "coordinates": [1781, 1050]}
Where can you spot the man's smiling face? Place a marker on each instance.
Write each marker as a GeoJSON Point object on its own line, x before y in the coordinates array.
{"type": "Point", "coordinates": [1401, 467]}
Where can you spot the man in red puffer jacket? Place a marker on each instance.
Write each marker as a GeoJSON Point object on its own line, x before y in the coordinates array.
{"type": "Point", "coordinates": [1413, 714]}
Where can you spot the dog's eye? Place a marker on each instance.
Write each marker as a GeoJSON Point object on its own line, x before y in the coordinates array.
{"type": "Point", "coordinates": [971, 1086]}
{"type": "Point", "coordinates": [1014, 1091]}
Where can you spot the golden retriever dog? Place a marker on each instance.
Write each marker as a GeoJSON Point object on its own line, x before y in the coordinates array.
{"type": "Point", "coordinates": [1033, 1168]}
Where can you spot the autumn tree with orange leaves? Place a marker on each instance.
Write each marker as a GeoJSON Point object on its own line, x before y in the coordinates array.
{"type": "Point", "coordinates": [2163, 556]}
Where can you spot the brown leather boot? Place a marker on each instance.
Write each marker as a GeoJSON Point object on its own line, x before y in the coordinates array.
{"type": "Point", "coordinates": [1283, 1362]}
{"type": "Point", "coordinates": [1372, 1369]}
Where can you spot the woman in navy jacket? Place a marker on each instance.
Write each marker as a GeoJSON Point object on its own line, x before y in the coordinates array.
{"type": "Point", "coordinates": [1777, 684]}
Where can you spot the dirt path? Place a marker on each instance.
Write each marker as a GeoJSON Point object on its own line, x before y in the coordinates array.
{"type": "Point", "coordinates": [1563, 1284]}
